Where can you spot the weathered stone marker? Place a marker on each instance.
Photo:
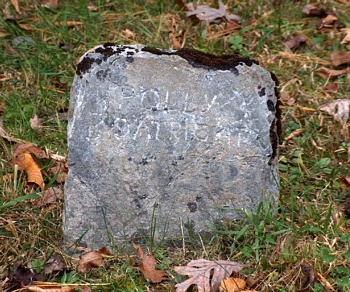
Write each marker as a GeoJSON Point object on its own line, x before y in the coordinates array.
{"type": "Point", "coordinates": [163, 143]}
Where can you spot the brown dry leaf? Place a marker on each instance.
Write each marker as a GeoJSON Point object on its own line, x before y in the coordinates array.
{"type": "Point", "coordinates": [332, 87]}
{"type": "Point", "coordinates": [330, 73]}
{"type": "Point", "coordinates": [25, 161]}
{"type": "Point", "coordinates": [45, 287]}
{"type": "Point", "coordinates": [286, 98]}
{"type": "Point", "coordinates": [295, 41]}
{"type": "Point", "coordinates": [346, 39]}
{"type": "Point", "coordinates": [295, 133]}
{"type": "Point", "coordinates": [309, 273]}
{"type": "Point", "coordinates": [127, 33]}
{"type": "Point", "coordinates": [4, 34]}
{"type": "Point", "coordinates": [50, 4]}
{"type": "Point", "coordinates": [207, 275]}
{"type": "Point", "coordinates": [60, 170]}
{"type": "Point", "coordinates": [330, 21]}
{"type": "Point", "coordinates": [92, 259]}
{"type": "Point", "coordinates": [29, 148]}
{"type": "Point", "coordinates": [206, 13]}
{"type": "Point", "coordinates": [339, 109]}
{"type": "Point", "coordinates": [313, 10]}
{"type": "Point", "coordinates": [175, 43]}
{"type": "Point", "coordinates": [92, 8]}
{"type": "Point", "coordinates": [232, 285]}
{"type": "Point", "coordinates": [54, 264]}
{"type": "Point", "coordinates": [147, 266]}
{"type": "Point", "coordinates": [35, 123]}
{"type": "Point", "coordinates": [338, 58]}
{"type": "Point", "coordinates": [22, 275]}
{"type": "Point", "coordinates": [25, 26]}
{"type": "Point", "coordinates": [16, 5]}
{"type": "Point", "coordinates": [51, 195]}
{"type": "Point", "coordinates": [68, 23]}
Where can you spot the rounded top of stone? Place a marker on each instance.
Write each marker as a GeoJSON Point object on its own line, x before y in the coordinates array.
{"type": "Point", "coordinates": [196, 58]}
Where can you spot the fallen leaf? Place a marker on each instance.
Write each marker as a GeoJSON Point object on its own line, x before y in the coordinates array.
{"type": "Point", "coordinates": [175, 43]}
{"type": "Point", "coordinates": [207, 275]}
{"type": "Point", "coordinates": [338, 58]}
{"type": "Point", "coordinates": [295, 133]}
{"type": "Point", "coordinates": [25, 161]}
{"type": "Point", "coordinates": [50, 4]}
{"type": "Point", "coordinates": [330, 21]}
{"type": "Point", "coordinates": [22, 275]}
{"type": "Point", "coordinates": [54, 264]}
{"type": "Point", "coordinates": [232, 285]}
{"type": "Point", "coordinates": [4, 34]}
{"type": "Point", "coordinates": [68, 23]}
{"type": "Point", "coordinates": [48, 287]}
{"type": "Point", "coordinates": [60, 170]}
{"type": "Point", "coordinates": [313, 10]}
{"type": "Point", "coordinates": [127, 33]}
{"type": "Point", "coordinates": [147, 266]}
{"type": "Point", "coordinates": [295, 41]}
{"type": "Point", "coordinates": [206, 13]}
{"type": "Point", "coordinates": [51, 195]}
{"type": "Point", "coordinates": [339, 109]}
{"type": "Point", "coordinates": [286, 98]}
{"type": "Point", "coordinates": [330, 73]}
{"type": "Point", "coordinates": [35, 122]}
{"type": "Point", "coordinates": [332, 87]}
{"type": "Point", "coordinates": [29, 148]}
{"type": "Point", "coordinates": [346, 39]}
{"type": "Point", "coordinates": [92, 259]}
{"type": "Point", "coordinates": [15, 4]}
{"type": "Point", "coordinates": [92, 8]}
{"type": "Point", "coordinates": [309, 274]}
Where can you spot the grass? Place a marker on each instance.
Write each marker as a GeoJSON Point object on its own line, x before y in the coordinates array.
{"type": "Point", "coordinates": [36, 74]}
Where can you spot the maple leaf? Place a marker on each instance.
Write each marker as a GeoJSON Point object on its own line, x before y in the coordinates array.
{"type": "Point", "coordinates": [207, 275]}
{"type": "Point", "coordinates": [147, 266]}
{"type": "Point", "coordinates": [206, 13]}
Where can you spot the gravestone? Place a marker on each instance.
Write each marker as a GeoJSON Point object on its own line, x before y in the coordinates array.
{"type": "Point", "coordinates": [167, 144]}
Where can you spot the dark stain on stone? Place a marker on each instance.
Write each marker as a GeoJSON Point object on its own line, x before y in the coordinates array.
{"type": "Point", "coordinates": [192, 206]}
{"type": "Point", "coordinates": [137, 203]}
{"type": "Point", "coordinates": [270, 105]}
{"type": "Point", "coordinates": [262, 91]}
{"type": "Point", "coordinates": [107, 50]}
{"type": "Point", "coordinates": [144, 161]}
{"type": "Point", "coordinates": [208, 61]}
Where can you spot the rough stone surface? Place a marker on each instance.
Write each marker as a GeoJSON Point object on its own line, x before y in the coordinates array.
{"type": "Point", "coordinates": [166, 143]}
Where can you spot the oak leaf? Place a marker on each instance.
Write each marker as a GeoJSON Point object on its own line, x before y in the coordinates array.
{"type": "Point", "coordinates": [147, 266]}
{"type": "Point", "coordinates": [207, 275]}
{"type": "Point", "coordinates": [206, 13]}
{"type": "Point", "coordinates": [339, 109]}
